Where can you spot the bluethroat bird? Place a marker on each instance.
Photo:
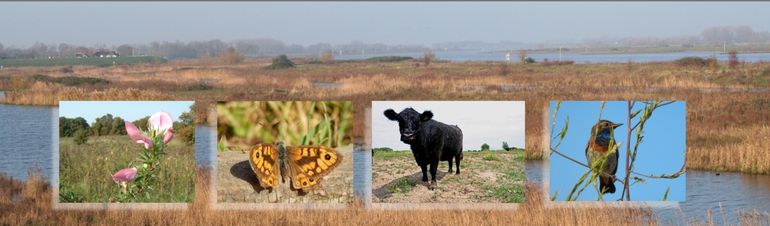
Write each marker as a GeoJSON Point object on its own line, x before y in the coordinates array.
{"type": "Point", "coordinates": [598, 145]}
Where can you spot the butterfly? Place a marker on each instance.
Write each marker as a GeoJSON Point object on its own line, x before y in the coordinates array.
{"type": "Point", "coordinates": [305, 166]}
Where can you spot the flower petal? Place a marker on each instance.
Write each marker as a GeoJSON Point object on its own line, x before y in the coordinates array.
{"type": "Point", "coordinates": [137, 135]}
{"type": "Point", "coordinates": [133, 132]}
{"type": "Point", "coordinates": [168, 135]}
{"type": "Point", "coordinates": [125, 175]}
{"type": "Point", "coordinates": [160, 121]}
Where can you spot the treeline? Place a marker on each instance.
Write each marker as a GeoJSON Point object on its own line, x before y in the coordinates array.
{"type": "Point", "coordinates": [175, 50]}
{"type": "Point", "coordinates": [712, 36]}
{"type": "Point", "coordinates": [107, 125]}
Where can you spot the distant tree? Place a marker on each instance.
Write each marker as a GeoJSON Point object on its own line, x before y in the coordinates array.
{"type": "Point", "coordinates": [68, 127]}
{"type": "Point", "coordinates": [384, 149]}
{"type": "Point", "coordinates": [186, 134]}
{"type": "Point", "coordinates": [427, 57]}
{"type": "Point", "coordinates": [522, 56]}
{"type": "Point", "coordinates": [505, 146]}
{"type": "Point", "coordinates": [231, 56]}
{"type": "Point", "coordinates": [281, 62]}
{"type": "Point", "coordinates": [125, 50]}
{"type": "Point", "coordinates": [64, 127]}
{"type": "Point", "coordinates": [118, 126]}
{"type": "Point", "coordinates": [732, 58]}
{"type": "Point", "coordinates": [485, 147]}
{"type": "Point", "coordinates": [142, 123]}
{"type": "Point", "coordinates": [184, 129]}
{"type": "Point", "coordinates": [80, 137]}
{"type": "Point", "coordinates": [102, 126]}
{"type": "Point", "coordinates": [187, 118]}
{"type": "Point", "coordinates": [530, 60]}
{"type": "Point", "coordinates": [66, 50]}
{"type": "Point", "coordinates": [327, 56]}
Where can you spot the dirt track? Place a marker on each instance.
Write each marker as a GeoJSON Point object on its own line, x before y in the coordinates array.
{"type": "Point", "coordinates": [237, 183]}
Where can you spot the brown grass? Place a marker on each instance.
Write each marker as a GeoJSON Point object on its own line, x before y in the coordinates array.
{"type": "Point", "coordinates": [30, 203]}
{"type": "Point", "coordinates": [725, 106]}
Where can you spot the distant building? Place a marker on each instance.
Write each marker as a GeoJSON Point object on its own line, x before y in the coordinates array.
{"type": "Point", "coordinates": [105, 54]}
{"type": "Point", "coordinates": [99, 53]}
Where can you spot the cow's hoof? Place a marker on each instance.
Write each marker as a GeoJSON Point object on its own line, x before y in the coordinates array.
{"type": "Point", "coordinates": [425, 179]}
{"type": "Point", "coordinates": [432, 185]}
{"type": "Point", "coordinates": [458, 173]}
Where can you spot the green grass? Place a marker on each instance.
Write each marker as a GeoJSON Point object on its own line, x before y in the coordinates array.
{"type": "Point", "coordinates": [388, 155]}
{"type": "Point", "coordinates": [101, 62]}
{"type": "Point", "coordinates": [403, 185]}
{"type": "Point", "coordinates": [326, 123]}
{"type": "Point", "coordinates": [507, 188]}
{"type": "Point", "coordinates": [85, 170]}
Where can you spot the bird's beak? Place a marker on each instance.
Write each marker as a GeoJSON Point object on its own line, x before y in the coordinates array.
{"type": "Point", "coordinates": [616, 125]}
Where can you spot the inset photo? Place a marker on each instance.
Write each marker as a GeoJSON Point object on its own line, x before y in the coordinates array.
{"type": "Point", "coordinates": [448, 151]}
{"type": "Point", "coordinates": [617, 150]}
{"type": "Point", "coordinates": [126, 152]}
{"type": "Point", "coordinates": [284, 152]}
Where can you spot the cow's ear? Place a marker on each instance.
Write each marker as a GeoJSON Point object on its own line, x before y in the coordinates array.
{"type": "Point", "coordinates": [391, 114]}
{"type": "Point", "coordinates": [426, 115]}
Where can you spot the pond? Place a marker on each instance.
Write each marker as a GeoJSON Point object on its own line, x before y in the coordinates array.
{"type": "Point", "coordinates": [26, 140]}
{"type": "Point", "coordinates": [724, 192]}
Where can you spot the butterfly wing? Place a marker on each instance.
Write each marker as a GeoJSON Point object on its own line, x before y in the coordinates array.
{"type": "Point", "coordinates": [263, 161]}
{"type": "Point", "coordinates": [309, 164]}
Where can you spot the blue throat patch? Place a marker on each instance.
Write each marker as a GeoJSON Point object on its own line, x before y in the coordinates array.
{"type": "Point", "coordinates": [604, 136]}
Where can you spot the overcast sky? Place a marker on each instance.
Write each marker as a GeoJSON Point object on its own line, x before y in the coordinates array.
{"type": "Point", "coordinates": [490, 122]}
{"type": "Point", "coordinates": [112, 23]}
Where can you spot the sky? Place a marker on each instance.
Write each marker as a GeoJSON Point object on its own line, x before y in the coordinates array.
{"type": "Point", "coordinates": [490, 122]}
{"type": "Point", "coordinates": [127, 110]}
{"type": "Point", "coordinates": [422, 23]}
{"type": "Point", "coordinates": [661, 152]}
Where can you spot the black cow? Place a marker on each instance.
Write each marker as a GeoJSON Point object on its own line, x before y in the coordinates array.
{"type": "Point", "coordinates": [431, 141]}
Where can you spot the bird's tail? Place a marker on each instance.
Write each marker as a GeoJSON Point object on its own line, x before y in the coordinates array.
{"type": "Point", "coordinates": [607, 185]}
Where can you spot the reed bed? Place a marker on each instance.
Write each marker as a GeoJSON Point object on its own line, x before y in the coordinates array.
{"type": "Point", "coordinates": [721, 102]}
{"type": "Point", "coordinates": [30, 203]}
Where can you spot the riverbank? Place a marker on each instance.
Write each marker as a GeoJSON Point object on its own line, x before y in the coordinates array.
{"type": "Point", "coordinates": [742, 49]}
{"type": "Point", "coordinates": [725, 105]}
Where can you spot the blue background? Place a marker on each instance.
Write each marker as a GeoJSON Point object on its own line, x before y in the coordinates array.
{"type": "Point", "coordinates": [662, 150]}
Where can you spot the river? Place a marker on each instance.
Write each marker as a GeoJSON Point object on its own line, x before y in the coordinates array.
{"type": "Point", "coordinates": [460, 56]}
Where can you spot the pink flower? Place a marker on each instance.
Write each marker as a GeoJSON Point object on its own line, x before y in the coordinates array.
{"type": "Point", "coordinates": [137, 135]}
{"type": "Point", "coordinates": [168, 135]}
{"type": "Point", "coordinates": [125, 175]}
{"type": "Point", "coordinates": [160, 122]}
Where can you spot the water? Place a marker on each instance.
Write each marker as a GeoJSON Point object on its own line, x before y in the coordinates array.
{"type": "Point", "coordinates": [26, 138]}
{"type": "Point", "coordinates": [728, 193]}
{"type": "Point", "coordinates": [362, 174]}
{"type": "Point", "coordinates": [460, 56]}
{"type": "Point", "coordinates": [205, 146]}
{"type": "Point", "coordinates": [534, 169]}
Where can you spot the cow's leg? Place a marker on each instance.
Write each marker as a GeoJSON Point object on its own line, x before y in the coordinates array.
{"type": "Point", "coordinates": [450, 166]}
{"type": "Point", "coordinates": [424, 172]}
{"type": "Point", "coordinates": [433, 169]}
{"type": "Point", "coordinates": [457, 161]}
